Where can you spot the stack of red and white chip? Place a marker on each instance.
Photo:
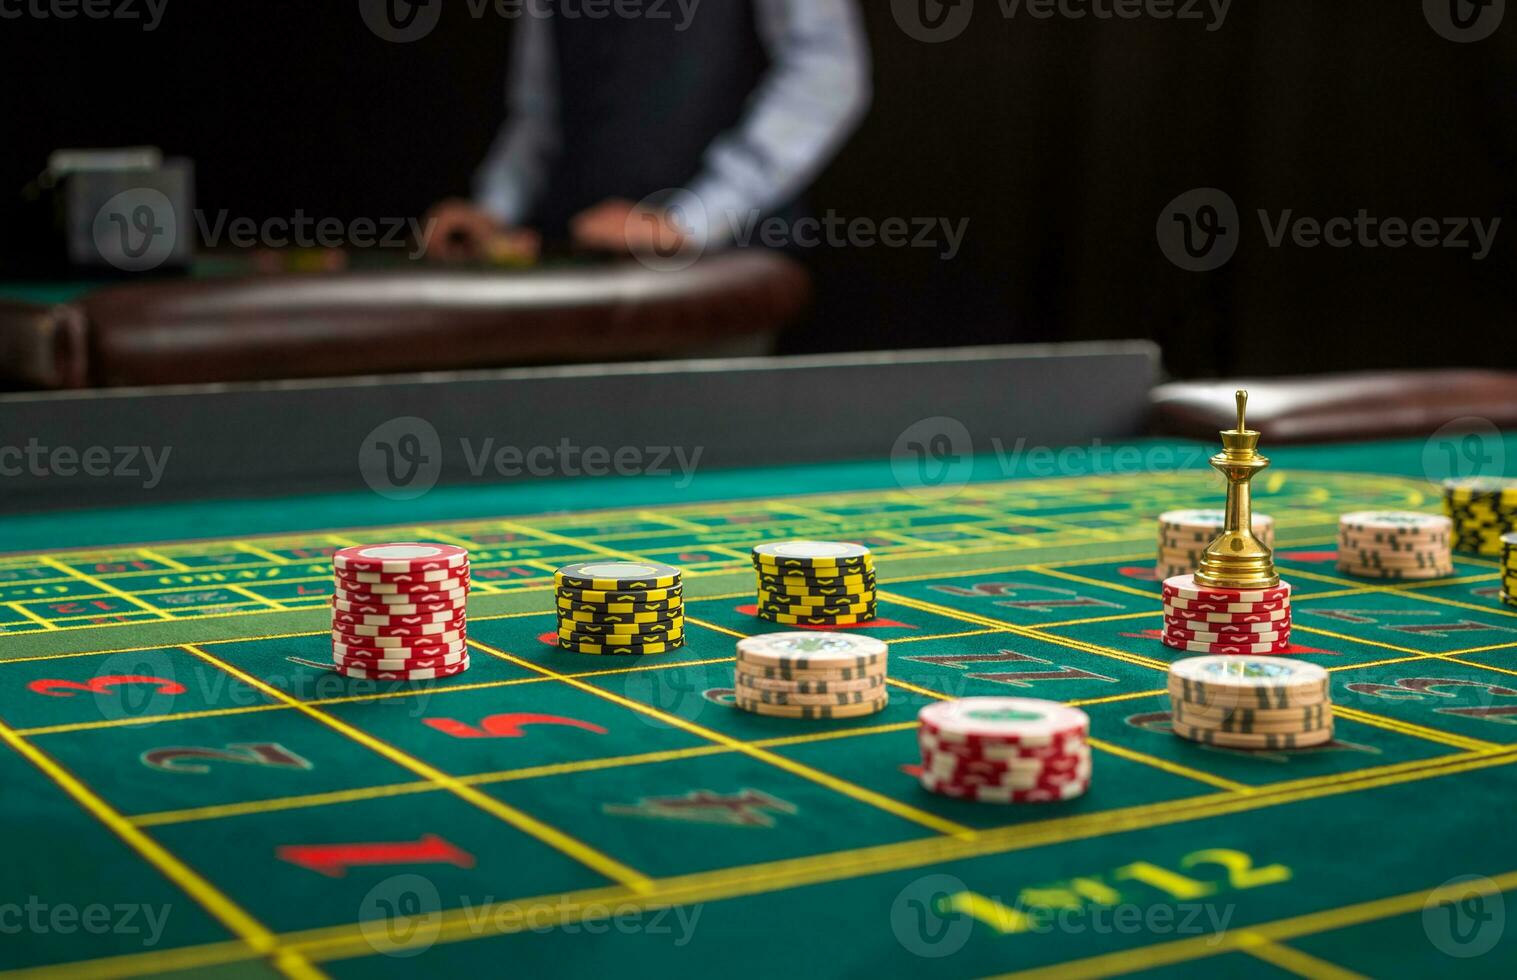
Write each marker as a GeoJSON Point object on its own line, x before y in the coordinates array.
{"type": "Point", "coordinates": [399, 611]}
{"type": "Point", "coordinates": [1200, 619]}
{"type": "Point", "coordinates": [1004, 750]}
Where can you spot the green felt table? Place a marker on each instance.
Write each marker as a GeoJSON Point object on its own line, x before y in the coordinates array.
{"type": "Point", "coordinates": [187, 788]}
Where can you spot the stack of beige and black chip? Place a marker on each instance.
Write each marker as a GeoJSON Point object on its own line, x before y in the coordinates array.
{"type": "Point", "coordinates": [811, 674]}
{"type": "Point", "coordinates": [620, 608]}
{"type": "Point", "coordinates": [1395, 544]}
{"type": "Point", "coordinates": [1184, 535]}
{"type": "Point", "coordinates": [1247, 702]}
{"type": "Point", "coordinates": [815, 583]}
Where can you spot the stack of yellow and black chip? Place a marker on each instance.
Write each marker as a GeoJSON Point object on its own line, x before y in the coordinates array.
{"type": "Point", "coordinates": [815, 583]}
{"type": "Point", "coordinates": [1482, 509]}
{"type": "Point", "coordinates": [1509, 569]}
{"type": "Point", "coordinates": [620, 608]}
{"type": "Point", "coordinates": [811, 674]}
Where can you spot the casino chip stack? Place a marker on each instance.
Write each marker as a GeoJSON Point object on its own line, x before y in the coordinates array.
{"type": "Point", "coordinates": [1250, 702]}
{"type": "Point", "coordinates": [1184, 535]}
{"type": "Point", "coordinates": [1509, 569]}
{"type": "Point", "coordinates": [399, 611]}
{"type": "Point", "coordinates": [620, 608]}
{"type": "Point", "coordinates": [1482, 509]}
{"type": "Point", "coordinates": [1395, 544]}
{"type": "Point", "coordinates": [1004, 750]}
{"type": "Point", "coordinates": [811, 675]}
{"type": "Point", "coordinates": [815, 583]}
{"type": "Point", "coordinates": [1198, 619]}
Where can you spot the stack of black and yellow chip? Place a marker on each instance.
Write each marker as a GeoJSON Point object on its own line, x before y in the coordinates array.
{"type": "Point", "coordinates": [620, 608]}
{"type": "Point", "coordinates": [1509, 569]}
{"type": "Point", "coordinates": [815, 583]}
{"type": "Point", "coordinates": [1482, 509]}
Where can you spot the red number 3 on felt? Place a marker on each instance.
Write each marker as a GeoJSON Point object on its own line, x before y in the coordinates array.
{"type": "Point", "coordinates": [101, 685]}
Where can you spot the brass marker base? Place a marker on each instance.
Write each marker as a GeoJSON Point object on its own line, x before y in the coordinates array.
{"type": "Point", "coordinates": [1236, 559]}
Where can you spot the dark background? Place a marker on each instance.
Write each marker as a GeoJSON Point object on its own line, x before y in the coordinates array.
{"type": "Point", "coordinates": [1060, 140]}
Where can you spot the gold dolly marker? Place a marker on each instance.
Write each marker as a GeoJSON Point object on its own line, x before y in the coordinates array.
{"type": "Point", "coordinates": [1236, 559]}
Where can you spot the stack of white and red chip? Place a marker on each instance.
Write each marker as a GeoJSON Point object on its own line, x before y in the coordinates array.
{"type": "Point", "coordinates": [399, 611]}
{"type": "Point", "coordinates": [1004, 750]}
{"type": "Point", "coordinates": [1201, 619]}
{"type": "Point", "coordinates": [1184, 535]}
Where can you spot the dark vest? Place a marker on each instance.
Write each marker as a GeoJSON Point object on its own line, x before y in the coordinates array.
{"type": "Point", "coordinates": [641, 101]}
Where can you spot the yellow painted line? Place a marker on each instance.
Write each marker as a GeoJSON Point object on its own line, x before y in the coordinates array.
{"type": "Point", "coordinates": [1173, 768]}
{"type": "Point", "coordinates": [523, 822]}
{"type": "Point", "coordinates": [1280, 930]}
{"type": "Point", "coordinates": [867, 796]}
{"type": "Point", "coordinates": [1294, 960]}
{"type": "Point", "coordinates": [45, 624]}
{"type": "Point", "coordinates": [1084, 580]}
{"type": "Point", "coordinates": [95, 583]}
{"type": "Point", "coordinates": [257, 938]}
{"type": "Point", "coordinates": [1082, 702]}
{"type": "Point", "coordinates": [173, 565]}
{"type": "Point", "coordinates": [1414, 730]}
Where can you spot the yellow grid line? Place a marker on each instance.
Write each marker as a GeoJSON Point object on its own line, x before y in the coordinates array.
{"type": "Point", "coordinates": [256, 937]}
{"type": "Point", "coordinates": [458, 925]}
{"type": "Point", "coordinates": [1280, 930]}
{"type": "Point", "coordinates": [529, 825]}
{"type": "Point", "coordinates": [866, 796]}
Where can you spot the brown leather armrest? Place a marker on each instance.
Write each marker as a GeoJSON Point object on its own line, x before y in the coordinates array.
{"type": "Point", "coordinates": [42, 346]}
{"type": "Point", "coordinates": [432, 319]}
{"type": "Point", "coordinates": [1339, 407]}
